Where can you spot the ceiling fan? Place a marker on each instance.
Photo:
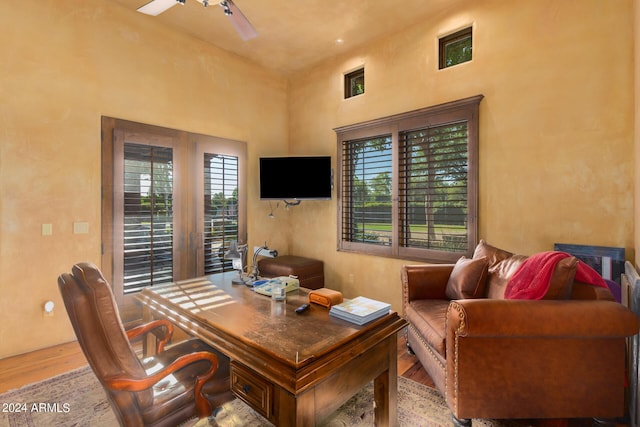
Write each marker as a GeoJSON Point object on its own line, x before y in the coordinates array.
{"type": "Point", "coordinates": [237, 18]}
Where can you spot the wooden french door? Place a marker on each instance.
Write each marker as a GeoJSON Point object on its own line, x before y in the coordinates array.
{"type": "Point", "coordinates": [172, 203]}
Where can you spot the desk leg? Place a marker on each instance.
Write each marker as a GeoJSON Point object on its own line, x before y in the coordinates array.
{"type": "Point", "coordinates": [292, 411]}
{"type": "Point", "coordinates": [385, 389]}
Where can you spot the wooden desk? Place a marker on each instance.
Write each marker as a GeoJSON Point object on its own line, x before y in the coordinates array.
{"type": "Point", "coordinates": [294, 369]}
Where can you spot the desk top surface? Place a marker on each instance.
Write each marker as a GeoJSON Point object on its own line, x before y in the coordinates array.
{"type": "Point", "coordinates": [236, 313]}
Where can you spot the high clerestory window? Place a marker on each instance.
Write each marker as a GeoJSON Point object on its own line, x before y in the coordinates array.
{"type": "Point", "coordinates": [455, 48]}
{"type": "Point", "coordinates": [408, 184]}
{"type": "Point", "coordinates": [354, 83]}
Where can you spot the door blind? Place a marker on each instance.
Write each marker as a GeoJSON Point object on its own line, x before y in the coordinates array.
{"type": "Point", "coordinates": [220, 210]}
{"type": "Point", "coordinates": [433, 177]}
{"type": "Point", "coordinates": [148, 216]}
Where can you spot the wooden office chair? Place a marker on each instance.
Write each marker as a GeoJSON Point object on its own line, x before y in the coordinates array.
{"type": "Point", "coordinates": [185, 381]}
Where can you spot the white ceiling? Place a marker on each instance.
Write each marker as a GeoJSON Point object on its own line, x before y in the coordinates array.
{"type": "Point", "coordinates": [295, 34]}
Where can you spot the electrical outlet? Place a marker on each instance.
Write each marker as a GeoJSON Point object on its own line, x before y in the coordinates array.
{"type": "Point", "coordinates": [47, 309]}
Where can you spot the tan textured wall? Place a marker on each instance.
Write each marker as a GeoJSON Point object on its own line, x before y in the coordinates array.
{"type": "Point", "coordinates": [63, 64]}
{"type": "Point", "coordinates": [556, 131]}
{"type": "Point", "coordinates": [556, 126]}
{"type": "Point", "coordinates": [636, 51]}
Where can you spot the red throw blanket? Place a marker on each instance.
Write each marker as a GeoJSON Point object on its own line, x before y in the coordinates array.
{"type": "Point", "coordinates": [532, 279]}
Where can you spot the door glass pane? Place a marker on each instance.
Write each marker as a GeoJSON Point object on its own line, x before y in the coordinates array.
{"type": "Point", "coordinates": [220, 210]}
{"type": "Point", "coordinates": [148, 216]}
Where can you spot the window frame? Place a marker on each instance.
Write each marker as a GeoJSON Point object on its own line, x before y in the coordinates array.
{"type": "Point", "coordinates": [188, 149]}
{"type": "Point", "coordinates": [461, 110]}
{"type": "Point", "coordinates": [445, 41]}
{"type": "Point", "coordinates": [348, 82]}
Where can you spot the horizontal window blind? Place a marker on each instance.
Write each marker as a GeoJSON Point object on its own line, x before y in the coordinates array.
{"type": "Point", "coordinates": [433, 181]}
{"type": "Point", "coordinates": [220, 210]}
{"type": "Point", "coordinates": [148, 216]}
{"type": "Point", "coordinates": [409, 183]}
{"type": "Point", "coordinates": [366, 190]}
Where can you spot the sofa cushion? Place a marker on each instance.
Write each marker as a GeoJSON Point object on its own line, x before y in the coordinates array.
{"type": "Point", "coordinates": [468, 278]}
{"type": "Point", "coordinates": [545, 275]}
{"type": "Point", "coordinates": [493, 254]}
{"type": "Point", "coordinates": [500, 274]}
{"type": "Point", "coordinates": [581, 290]}
{"type": "Point", "coordinates": [428, 316]}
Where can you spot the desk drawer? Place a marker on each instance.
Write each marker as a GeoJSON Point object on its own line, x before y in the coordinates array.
{"type": "Point", "coordinates": [252, 388]}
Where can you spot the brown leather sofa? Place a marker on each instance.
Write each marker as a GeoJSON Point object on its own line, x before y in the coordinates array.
{"type": "Point", "coordinates": [559, 357]}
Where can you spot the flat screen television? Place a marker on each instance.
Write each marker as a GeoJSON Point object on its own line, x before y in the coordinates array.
{"type": "Point", "coordinates": [295, 178]}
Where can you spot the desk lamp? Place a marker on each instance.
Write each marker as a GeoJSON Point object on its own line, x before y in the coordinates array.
{"type": "Point", "coordinates": [236, 255]}
{"type": "Point", "coordinates": [255, 273]}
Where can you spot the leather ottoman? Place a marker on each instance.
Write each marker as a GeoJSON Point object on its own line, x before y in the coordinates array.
{"type": "Point", "coordinates": [309, 271]}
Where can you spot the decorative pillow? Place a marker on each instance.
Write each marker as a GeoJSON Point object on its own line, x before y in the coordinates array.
{"type": "Point", "coordinates": [493, 254]}
{"type": "Point", "coordinates": [468, 278]}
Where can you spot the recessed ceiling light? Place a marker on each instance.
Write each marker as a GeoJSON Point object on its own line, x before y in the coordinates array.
{"type": "Point", "coordinates": [339, 41]}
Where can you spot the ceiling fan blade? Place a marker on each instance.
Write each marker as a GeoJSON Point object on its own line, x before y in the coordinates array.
{"type": "Point", "coordinates": [240, 22]}
{"type": "Point", "coordinates": [156, 7]}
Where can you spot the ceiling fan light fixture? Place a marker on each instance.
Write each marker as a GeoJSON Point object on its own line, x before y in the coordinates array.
{"type": "Point", "coordinates": [156, 7]}
{"type": "Point", "coordinates": [235, 15]}
{"type": "Point", "coordinates": [225, 6]}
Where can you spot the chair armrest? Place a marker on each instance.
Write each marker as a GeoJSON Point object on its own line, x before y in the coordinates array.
{"type": "Point", "coordinates": [203, 406]}
{"type": "Point", "coordinates": [163, 337]}
{"type": "Point", "coordinates": [547, 318]}
{"type": "Point", "coordinates": [426, 281]}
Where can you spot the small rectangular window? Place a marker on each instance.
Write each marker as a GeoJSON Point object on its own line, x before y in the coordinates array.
{"type": "Point", "coordinates": [455, 48]}
{"type": "Point", "coordinates": [354, 83]}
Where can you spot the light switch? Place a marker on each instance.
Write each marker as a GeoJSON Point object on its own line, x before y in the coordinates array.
{"type": "Point", "coordinates": [47, 229]}
{"type": "Point", "coordinates": [80, 227]}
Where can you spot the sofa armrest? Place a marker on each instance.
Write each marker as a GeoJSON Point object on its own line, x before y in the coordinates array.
{"type": "Point", "coordinates": [532, 319]}
{"type": "Point", "coordinates": [424, 281]}
{"type": "Point", "coordinates": [540, 356]}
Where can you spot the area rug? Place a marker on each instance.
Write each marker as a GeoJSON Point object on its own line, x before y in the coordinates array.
{"type": "Point", "coordinates": [77, 399]}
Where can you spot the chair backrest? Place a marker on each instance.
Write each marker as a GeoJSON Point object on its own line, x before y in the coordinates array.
{"type": "Point", "coordinates": [94, 315]}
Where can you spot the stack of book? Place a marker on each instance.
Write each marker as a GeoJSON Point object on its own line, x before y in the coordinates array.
{"type": "Point", "coordinates": [360, 310]}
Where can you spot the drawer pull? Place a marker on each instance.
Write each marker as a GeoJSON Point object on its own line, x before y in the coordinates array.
{"type": "Point", "coordinates": [246, 388]}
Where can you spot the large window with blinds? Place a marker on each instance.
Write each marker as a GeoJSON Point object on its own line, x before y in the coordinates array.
{"type": "Point", "coordinates": [408, 184]}
{"type": "Point", "coordinates": [172, 203]}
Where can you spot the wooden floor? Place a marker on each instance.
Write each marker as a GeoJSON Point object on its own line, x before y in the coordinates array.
{"type": "Point", "coordinates": [36, 366]}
